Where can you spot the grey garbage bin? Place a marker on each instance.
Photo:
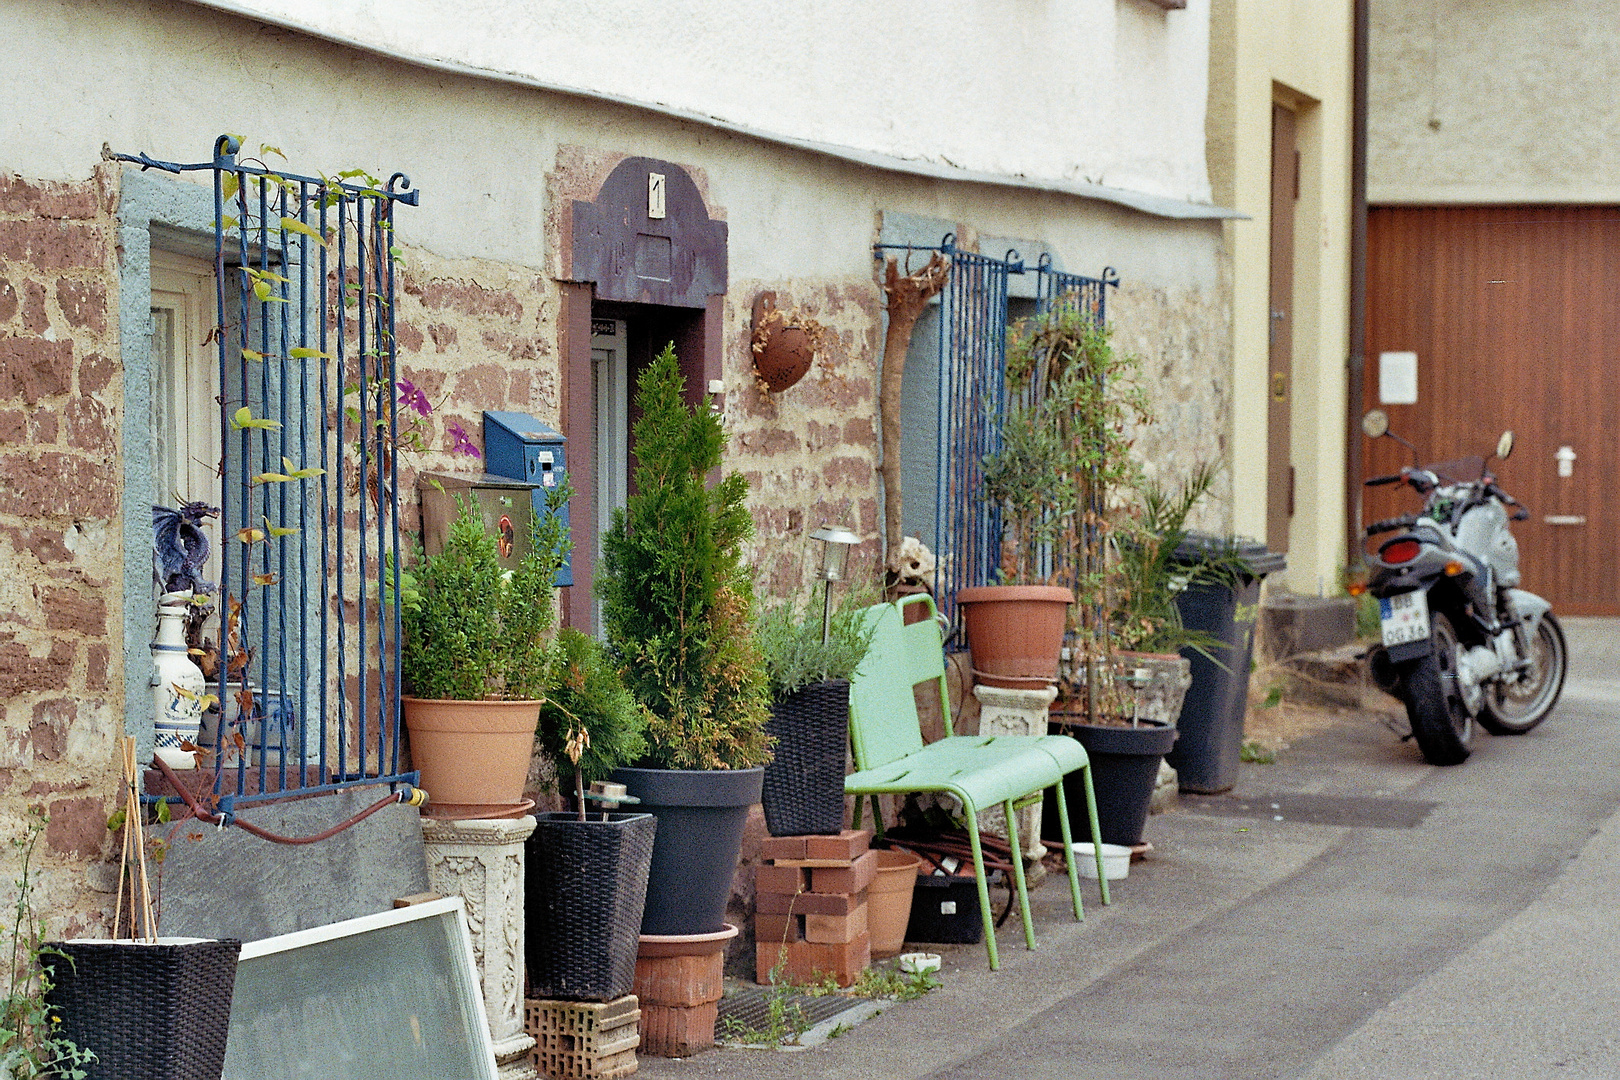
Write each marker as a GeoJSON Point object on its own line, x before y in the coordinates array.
{"type": "Point", "coordinates": [1206, 755]}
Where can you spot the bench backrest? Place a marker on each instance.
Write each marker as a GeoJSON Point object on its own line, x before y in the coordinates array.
{"type": "Point", "coordinates": [883, 722]}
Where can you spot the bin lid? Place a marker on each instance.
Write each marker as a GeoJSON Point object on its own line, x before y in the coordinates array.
{"type": "Point", "coordinates": [1261, 560]}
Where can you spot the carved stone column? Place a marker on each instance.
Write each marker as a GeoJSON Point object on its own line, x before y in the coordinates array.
{"type": "Point", "coordinates": [482, 862]}
{"type": "Point", "coordinates": [1015, 712]}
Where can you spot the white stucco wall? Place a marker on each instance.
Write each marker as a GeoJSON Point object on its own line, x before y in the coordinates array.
{"type": "Point", "coordinates": [1099, 91]}
{"type": "Point", "coordinates": [1494, 101]}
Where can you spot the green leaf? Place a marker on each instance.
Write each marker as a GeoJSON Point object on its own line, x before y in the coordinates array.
{"type": "Point", "coordinates": [229, 184]}
{"type": "Point", "coordinates": [294, 225]}
{"type": "Point", "coordinates": [302, 353]}
{"type": "Point", "coordinates": [243, 419]}
{"type": "Point", "coordinates": [250, 354]}
{"type": "Point", "coordinates": [271, 478]}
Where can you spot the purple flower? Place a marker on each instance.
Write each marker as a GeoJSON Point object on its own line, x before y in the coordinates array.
{"type": "Point", "coordinates": [463, 444]}
{"type": "Point", "coordinates": [412, 397]}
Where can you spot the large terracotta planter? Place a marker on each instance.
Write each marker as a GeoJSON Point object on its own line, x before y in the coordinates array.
{"type": "Point", "coordinates": [1015, 633]}
{"type": "Point", "coordinates": [472, 752]}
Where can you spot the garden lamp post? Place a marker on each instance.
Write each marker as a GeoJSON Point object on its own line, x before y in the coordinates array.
{"type": "Point", "coordinates": [836, 543]}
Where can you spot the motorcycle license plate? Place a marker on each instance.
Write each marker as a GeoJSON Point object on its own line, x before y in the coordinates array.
{"type": "Point", "coordinates": [1405, 617]}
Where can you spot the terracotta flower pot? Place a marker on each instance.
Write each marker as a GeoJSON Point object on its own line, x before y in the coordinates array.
{"type": "Point", "coordinates": [472, 752]}
{"type": "Point", "coordinates": [1015, 633]}
{"type": "Point", "coordinates": [785, 356]}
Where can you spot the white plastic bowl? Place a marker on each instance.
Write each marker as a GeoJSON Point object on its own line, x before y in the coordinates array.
{"type": "Point", "coordinates": [1116, 860]}
{"type": "Point", "coordinates": [915, 963]}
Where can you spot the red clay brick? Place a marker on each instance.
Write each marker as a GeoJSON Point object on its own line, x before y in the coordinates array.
{"type": "Point", "coordinates": [771, 930]}
{"type": "Point", "coordinates": [835, 929]}
{"type": "Point", "coordinates": [782, 847]}
{"type": "Point", "coordinates": [779, 879]}
{"type": "Point", "coordinates": [851, 879]}
{"type": "Point", "coordinates": [806, 904]}
{"type": "Point", "coordinates": [847, 845]}
{"type": "Point", "coordinates": [808, 962]}
{"type": "Point", "coordinates": [682, 981]}
{"type": "Point", "coordinates": [670, 1031]}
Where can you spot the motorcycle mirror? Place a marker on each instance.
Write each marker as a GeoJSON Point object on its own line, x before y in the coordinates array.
{"type": "Point", "coordinates": [1504, 445]}
{"type": "Point", "coordinates": [1375, 423]}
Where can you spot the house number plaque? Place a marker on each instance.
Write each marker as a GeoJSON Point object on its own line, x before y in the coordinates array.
{"type": "Point", "coordinates": [655, 196]}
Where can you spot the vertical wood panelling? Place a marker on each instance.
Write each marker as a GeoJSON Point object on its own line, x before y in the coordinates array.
{"type": "Point", "coordinates": [1513, 313]}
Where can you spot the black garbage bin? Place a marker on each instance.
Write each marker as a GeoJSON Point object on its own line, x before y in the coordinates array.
{"type": "Point", "coordinates": [1206, 755]}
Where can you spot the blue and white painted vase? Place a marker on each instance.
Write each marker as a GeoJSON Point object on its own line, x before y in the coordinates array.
{"type": "Point", "coordinates": [178, 686]}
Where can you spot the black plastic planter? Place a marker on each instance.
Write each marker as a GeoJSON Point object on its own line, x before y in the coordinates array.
{"type": "Point", "coordinates": [149, 1012]}
{"type": "Point", "coordinates": [701, 815]}
{"type": "Point", "coordinates": [585, 883]}
{"type": "Point", "coordinates": [804, 784]}
{"type": "Point", "coordinates": [1124, 771]}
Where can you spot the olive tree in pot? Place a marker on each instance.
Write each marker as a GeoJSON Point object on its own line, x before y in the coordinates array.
{"type": "Point", "coordinates": [677, 610]}
{"type": "Point", "coordinates": [474, 659]}
{"type": "Point", "coordinates": [1063, 446]}
{"type": "Point", "coordinates": [585, 876]}
{"type": "Point", "coordinates": [809, 683]}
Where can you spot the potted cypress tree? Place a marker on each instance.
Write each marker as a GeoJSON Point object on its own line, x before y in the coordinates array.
{"type": "Point", "coordinates": [586, 871]}
{"type": "Point", "coordinates": [809, 685]}
{"type": "Point", "coordinates": [475, 658]}
{"type": "Point", "coordinates": [677, 609]}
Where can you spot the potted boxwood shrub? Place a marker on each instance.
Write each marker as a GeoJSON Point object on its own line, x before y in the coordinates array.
{"type": "Point", "coordinates": [809, 685]}
{"type": "Point", "coordinates": [677, 612]}
{"type": "Point", "coordinates": [585, 876]}
{"type": "Point", "coordinates": [474, 659]}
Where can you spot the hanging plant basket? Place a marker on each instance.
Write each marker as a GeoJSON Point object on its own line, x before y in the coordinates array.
{"type": "Point", "coordinates": [784, 343]}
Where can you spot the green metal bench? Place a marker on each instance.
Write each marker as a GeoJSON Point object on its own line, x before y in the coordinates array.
{"type": "Point", "coordinates": [980, 771]}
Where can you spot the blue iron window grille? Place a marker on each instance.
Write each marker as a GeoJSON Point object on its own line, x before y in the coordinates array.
{"type": "Point", "coordinates": [972, 397]}
{"type": "Point", "coordinates": [308, 555]}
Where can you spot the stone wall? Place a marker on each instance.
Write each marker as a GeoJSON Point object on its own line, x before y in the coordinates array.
{"type": "Point", "coordinates": [1185, 348]}
{"type": "Point", "coordinates": [61, 671]}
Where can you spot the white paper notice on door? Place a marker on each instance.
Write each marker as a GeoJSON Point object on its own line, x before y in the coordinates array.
{"type": "Point", "coordinates": [1397, 378]}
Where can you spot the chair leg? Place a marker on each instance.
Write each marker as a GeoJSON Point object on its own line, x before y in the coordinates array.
{"type": "Point", "coordinates": [1096, 832]}
{"type": "Point", "coordinates": [1068, 852]}
{"type": "Point", "coordinates": [984, 885]}
{"type": "Point", "coordinates": [1017, 861]}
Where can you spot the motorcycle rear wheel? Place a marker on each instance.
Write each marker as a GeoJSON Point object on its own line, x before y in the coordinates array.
{"type": "Point", "coordinates": [1515, 708]}
{"type": "Point", "coordinates": [1441, 725]}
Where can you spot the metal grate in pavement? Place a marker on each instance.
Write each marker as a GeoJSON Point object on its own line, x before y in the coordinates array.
{"type": "Point", "coordinates": [1354, 811]}
{"type": "Point", "coordinates": [745, 1014]}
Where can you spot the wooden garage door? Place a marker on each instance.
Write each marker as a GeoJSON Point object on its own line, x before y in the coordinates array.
{"type": "Point", "coordinates": [1514, 314]}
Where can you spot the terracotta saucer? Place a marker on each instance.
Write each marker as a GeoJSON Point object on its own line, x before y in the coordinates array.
{"type": "Point", "coordinates": [685, 944]}
{"type": "Point", "coordinates": [477, 811]}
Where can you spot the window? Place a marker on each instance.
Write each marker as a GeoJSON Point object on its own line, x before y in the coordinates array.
{"type": "Point", "coordinates": [185, 372]}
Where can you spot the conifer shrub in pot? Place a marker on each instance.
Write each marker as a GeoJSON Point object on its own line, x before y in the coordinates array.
{"type": "Point", "coordinates": [585, 876]}
{"type": "Point", "coordinates": [809, 684]}
{"type": "Point", "coordinates": [677, 610]}
{"type": "Point", "coordinates": [475, 656]}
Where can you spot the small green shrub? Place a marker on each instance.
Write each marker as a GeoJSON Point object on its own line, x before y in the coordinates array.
{"type": "Point", "coordinates": [473, 630]}
{"type": "Point", "coordinates": [589, 724]}
{"type": "Point", "coordinates": [796, 657]}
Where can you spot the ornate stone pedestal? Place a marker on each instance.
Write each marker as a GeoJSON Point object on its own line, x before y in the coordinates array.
{"type": "Point", "coordinates": [1015, 712]}
{"type": "Point", "coordinates": [482, 862]}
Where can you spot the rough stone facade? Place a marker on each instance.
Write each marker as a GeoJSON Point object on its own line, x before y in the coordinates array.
{"type": "Point", "coordinates": [60, 504]}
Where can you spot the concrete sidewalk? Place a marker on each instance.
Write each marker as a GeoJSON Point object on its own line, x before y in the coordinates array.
{"type": "Point", "coordinates": [1436, 923]}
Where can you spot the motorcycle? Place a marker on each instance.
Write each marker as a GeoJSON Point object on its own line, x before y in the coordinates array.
{"type": "Point", "coordinates": [1461, 641]}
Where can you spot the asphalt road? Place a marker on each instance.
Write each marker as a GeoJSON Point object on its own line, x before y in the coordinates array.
{"type": "Point", "coordinates": [1398, 921]}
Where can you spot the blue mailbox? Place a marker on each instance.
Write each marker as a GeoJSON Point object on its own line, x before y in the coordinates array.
{"type": "Point", "coordinates": [520, 447]}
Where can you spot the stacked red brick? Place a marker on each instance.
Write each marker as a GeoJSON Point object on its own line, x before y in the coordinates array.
{"type": "Point", "coordinates": [680, 1001]}
{"type": "Point", "coordinates": [810, 916]}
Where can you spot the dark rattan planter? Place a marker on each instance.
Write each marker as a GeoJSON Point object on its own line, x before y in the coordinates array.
{"type": "Point", "coordinates": [804, 783]}
{"type": "Point", "coordinates": [150, 1012]}
{"type": "Point", "coordinates": [584, 886]}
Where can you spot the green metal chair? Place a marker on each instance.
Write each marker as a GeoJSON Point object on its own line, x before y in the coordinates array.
{"type": "Point", "coordinates": [980, 771]}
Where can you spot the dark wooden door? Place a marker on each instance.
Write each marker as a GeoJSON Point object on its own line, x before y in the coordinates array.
{"type": "Point", "coordinates": [1280, 359]}
{"type": "Point", "coordinates": [1514, 313]}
